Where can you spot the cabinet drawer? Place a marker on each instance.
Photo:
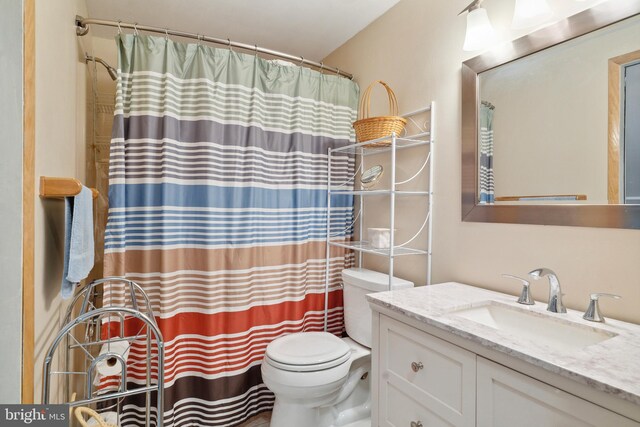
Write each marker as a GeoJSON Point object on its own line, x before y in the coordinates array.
{"type": "Point", "coordinates": [439, 375]}
{"type": "Point", "coordinates": [507, 398]}
{"type": "Point", "coordinates": [402, 410]}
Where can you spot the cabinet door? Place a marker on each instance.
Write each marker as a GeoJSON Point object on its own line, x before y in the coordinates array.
{"type": "Point", "coordinates": [423, 379]}
{"type": "Point", "coordinates": [507, 398]}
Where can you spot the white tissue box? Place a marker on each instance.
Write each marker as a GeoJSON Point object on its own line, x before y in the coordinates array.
{"type": "Point", "coordinates": [379, 238]}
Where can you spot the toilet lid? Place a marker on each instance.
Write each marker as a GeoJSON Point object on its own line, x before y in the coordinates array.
{"type": "Point", "coordinates": [306, 351]}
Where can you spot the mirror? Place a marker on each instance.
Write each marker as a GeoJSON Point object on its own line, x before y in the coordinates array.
{"type": "Point", "coordinates": [547, 120]}
{"type": "Point", "coordinates": [371, 176]}
{"type": "Point", "coordinates": [540, 127]}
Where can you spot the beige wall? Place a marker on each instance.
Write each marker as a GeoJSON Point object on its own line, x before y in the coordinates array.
{"type": "Point", "coordinates": [60, 142]}
{"type": "Point", "coordinates": [551, 137]}
{"type": "Point", "coordinates": [417, 48]}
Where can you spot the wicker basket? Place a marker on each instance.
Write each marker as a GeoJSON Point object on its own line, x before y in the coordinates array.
{"type": "Point", "coordinates": [368, 128]}
{"type": "Point", "coordinates": [99, 421]}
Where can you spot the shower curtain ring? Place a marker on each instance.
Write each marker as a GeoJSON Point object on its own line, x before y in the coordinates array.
{"type": "Point", "coordinates": [119, 27]}
{"type": "Point", "coordinates": [301, 61]}
{"type": "Point", "coordinates": [321, 66]}
{"type": "Point", "coordinates": [135, 28]}
{"type": "Point", "coordinates": [229, 45]}
{"type": "Point", "coordinates": [256, 50]}
{"type": "Point", "coordinates": [199, 40]}
{"type": "Point", "coordinates": [338, 72]}
{"type": "Point", "coordinates": [166, 34]}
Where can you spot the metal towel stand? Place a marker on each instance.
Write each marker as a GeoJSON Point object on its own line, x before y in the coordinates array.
{"type": "Point", "coordinates": [82, 335]}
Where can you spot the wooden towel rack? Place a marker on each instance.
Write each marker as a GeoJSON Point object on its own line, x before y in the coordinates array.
{"type": "Point", "coordinates": [51, 187]}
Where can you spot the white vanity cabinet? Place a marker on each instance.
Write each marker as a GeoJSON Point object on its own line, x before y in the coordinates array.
{"type": "Point", "coordinates": [424, 379]}
{"type": "Point", "coordinates": [421, 380]}
{"type": "Point", "coordinates": [507, 398]}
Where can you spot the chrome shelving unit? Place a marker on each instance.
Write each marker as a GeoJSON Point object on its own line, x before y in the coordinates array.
{"type": "Point", "coordinates": [424, 135]}
{"type": "Point", "coordinates": [88, 329]}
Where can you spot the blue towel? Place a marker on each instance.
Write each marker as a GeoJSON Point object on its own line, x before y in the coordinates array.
{"type": "Point", "coordinates": [78, 240]}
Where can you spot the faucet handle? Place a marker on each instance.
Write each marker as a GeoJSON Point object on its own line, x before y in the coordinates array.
{"type": "Point", "coordinates": [593, 311]}
{"type": "Point", "coordinates": [525, 296]}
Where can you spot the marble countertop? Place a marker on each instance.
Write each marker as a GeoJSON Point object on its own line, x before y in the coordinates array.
{"type": "Point", "coordinates": [611, 366]}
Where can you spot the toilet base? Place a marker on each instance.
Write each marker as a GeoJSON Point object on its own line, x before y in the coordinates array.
{"type": "Point", "coordinates": [296, 415]}
{"type": "Point", "coordinates": [292, 414]}
{"type": "Point", "coordinates": [360, 423]}
{"type": "Point", "coordinates": [287, 414]}
{"type": "Point", "coordinates": [352, 410]}
{"type": "Point", "coordinates": [340, 404]}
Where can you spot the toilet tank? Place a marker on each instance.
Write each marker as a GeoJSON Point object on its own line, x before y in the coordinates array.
{"type": "Point", "coordinates": [358, 282]}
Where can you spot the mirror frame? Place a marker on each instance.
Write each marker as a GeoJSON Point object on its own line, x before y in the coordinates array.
{"type": "Point", "coordinates": [609, 216]}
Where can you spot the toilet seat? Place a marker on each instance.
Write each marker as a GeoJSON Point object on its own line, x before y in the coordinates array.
{"type": "Point", "coordinates": [307, 352]}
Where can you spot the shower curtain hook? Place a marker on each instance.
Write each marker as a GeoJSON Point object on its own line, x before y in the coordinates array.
{"type": "Point", "coordinates": [119, 27]}
{"type": "Point", "coordinates": [199, 40]}
{"type": "Point", "coordinates": [166, 34]}
{"type": "Point", "coordinates": [135, 28]}
{"type": "Point", "coordinates": [338, 72]}
{"type": "Point", "coordinates": [229, 45]}
{"type": "Point", "coordinates": [321, 66]}
{"type": "Point", "coordinates": [301, 61]}
{"type": "Point", "coordinates": [256, 50]}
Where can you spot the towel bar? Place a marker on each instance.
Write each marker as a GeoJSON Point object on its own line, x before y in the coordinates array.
{"type": "Point", "coordinates": [533, 198]}
{"type": "Point", "coordinates": [51, 187]}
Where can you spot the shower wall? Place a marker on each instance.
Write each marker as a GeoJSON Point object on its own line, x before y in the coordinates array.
{"type": "Point", "coordinates": [100, 108]}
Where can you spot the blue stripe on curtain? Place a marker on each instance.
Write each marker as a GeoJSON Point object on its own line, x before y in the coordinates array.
{"type": "Point", "coordinates": [131, 195]}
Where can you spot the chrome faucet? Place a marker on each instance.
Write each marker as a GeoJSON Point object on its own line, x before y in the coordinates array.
{"type": "Point", "coordinates": [555, 293]}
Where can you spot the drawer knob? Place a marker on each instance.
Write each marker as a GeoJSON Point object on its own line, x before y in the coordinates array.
{"type": "Point", "coordinates": [416, 424]}
{"type": "Point", "coordinates": [416, 366]}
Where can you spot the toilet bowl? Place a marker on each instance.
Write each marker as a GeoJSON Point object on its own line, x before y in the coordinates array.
{"type": "Point", "coordinates": [306, 394]}
{"type": "Point", "coordinates": [320, 380]}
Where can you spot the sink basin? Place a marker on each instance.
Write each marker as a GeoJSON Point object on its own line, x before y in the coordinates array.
{"type": "Point", "coordinates": [559, 334]}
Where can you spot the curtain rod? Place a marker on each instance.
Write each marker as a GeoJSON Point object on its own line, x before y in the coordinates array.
{"type": "Point", "coordinates": [82, 28]}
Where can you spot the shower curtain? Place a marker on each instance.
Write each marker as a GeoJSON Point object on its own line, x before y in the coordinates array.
{"type": "Point", "coordinates": [217, 208]}
{"type": "Point", "coordinates": [486, 153]}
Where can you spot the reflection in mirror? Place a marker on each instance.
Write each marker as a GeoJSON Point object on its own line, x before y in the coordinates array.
{"type": "Point", "coordinates": [607, 18]}
{"type": "Point", "coordinates": [371, 176]}
{"type": "Point", "coordinates": [543, 122]}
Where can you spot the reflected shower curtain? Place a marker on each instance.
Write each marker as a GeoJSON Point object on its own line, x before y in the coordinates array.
{"type": "Point", "coordinates": [217, 208]}
{"type": "Point", "coordinates": [486, 153]}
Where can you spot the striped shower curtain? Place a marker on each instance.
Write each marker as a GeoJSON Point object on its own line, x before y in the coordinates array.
{"type": "Point", "coordinates": [217, 208]}
{"type": "Point", "coordinates": [486, 153]}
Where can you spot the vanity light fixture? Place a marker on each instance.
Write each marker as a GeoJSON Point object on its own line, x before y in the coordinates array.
{"type": "Point", "coordinates": [530, 13]}
{"type": "Point", "coordinates": [480, 33]}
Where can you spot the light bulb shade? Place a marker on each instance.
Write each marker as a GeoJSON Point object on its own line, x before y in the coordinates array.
{"type": "Point", "coordinates": [530, 13]}
{"type": "Point", "coordinates": [480, 33]}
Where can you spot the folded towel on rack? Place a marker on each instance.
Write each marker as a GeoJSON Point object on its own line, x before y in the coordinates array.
{"type": "Point", "coordinates": [78, 242]}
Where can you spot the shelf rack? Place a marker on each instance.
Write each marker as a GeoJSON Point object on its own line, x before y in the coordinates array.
{"type": "Point", "coordinates": [425, 135]}
{"type": "Point", "coordinates": [89, 332]}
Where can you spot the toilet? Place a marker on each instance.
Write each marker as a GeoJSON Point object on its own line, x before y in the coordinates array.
{"type": "Point", "coordinates": [320, 380]}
